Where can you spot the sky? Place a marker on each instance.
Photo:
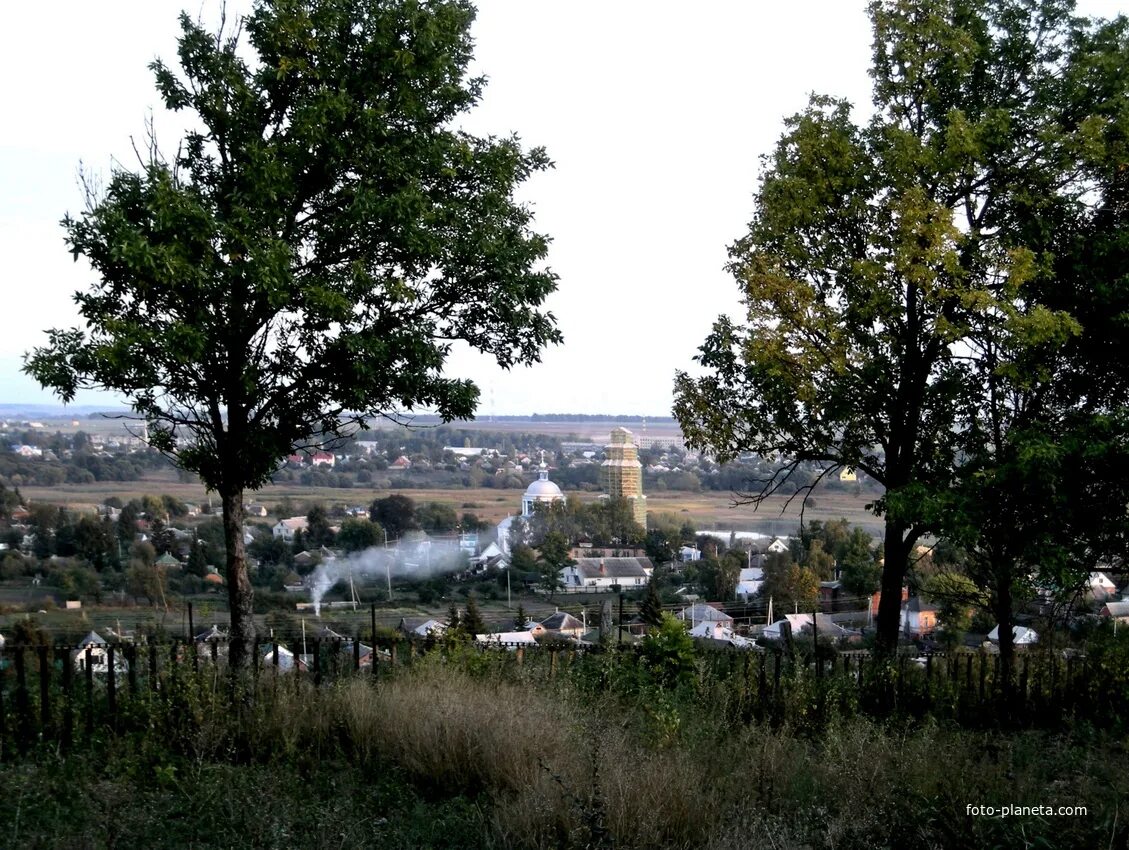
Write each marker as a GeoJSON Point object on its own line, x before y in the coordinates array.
{"type": "Point", "coordinates": [656, 118]}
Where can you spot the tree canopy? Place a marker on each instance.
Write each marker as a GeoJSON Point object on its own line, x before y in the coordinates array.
{"type": "Point", "coordinates": [308, 255]}
{"type": "Point", "coordinates": [877, 252]}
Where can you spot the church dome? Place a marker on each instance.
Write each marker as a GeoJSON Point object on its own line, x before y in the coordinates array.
{"type": "Point", "coordinates": [543, 488]}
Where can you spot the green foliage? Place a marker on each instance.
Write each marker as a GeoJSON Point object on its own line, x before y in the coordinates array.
{"type": "Point", "coordinates": [396, 514]}
{"type": "Point", "coordinates": [358, 534]}
{"type": "Point", "coordinates": [471, 621]}
{"type": "Point", "coordinates": [651, 608]}
{"type": "Point", "coordinates": [879, 254]}
{"type": "Point", "coordinates": [668, 653]}
{"type": "Point", "coordinates": [274, 281]}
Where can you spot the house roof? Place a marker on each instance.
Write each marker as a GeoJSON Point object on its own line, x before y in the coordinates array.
{"type": "Point", "coordinates": [562, 621]}
{"type": "Point", "coordinates": [213, 633]}
{"type": "Point", "coordinates": [614, 567]}
{"type": "Point", "coordinates": [92, 638]}
{"type": "Point", "coordinates": [1116, 609]}
{"type": "Point", "coordinates": [294, 523]}
{"type": "Point", "coordinates": [699, 612]}
{"type": "Point", "coordinates": [168, 560]}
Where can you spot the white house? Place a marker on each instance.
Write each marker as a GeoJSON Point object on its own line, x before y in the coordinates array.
{"type": "Point", "coordinates": [699, 613]}
{"type": "Point", "coordinates": [509, 639]}
{"type": "Point", "coordinates": [98, 655]}
{"type": "Point", "coordinates": [1020, 635]}
{"type": "Point", "coordinates": [716, 631]}
{"type": "Point", "coordinates": [689, 553]}
{"type": "Point", "coordinates": [594, 574]}
{"type": "Point", "coordinates": [1100, 587]}
{"type": "Point", "coordinates": [749, 583]}
{"type": "Point", "coordinates": [285, 529]}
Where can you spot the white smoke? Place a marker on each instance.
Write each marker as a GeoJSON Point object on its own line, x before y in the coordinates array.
{"type": "Point", "coordinates": [405, 559]}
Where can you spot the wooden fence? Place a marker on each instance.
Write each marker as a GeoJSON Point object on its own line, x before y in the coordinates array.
{"type": "Point", "coordinates": [62, 696]}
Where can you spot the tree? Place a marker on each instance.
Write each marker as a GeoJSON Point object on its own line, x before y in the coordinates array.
{"type": "Point", "coordinates": [358, 534]}
{"type": "Point", "coordinates": [651, 608]}
{"type": "Point", "coordinates": [521, 619]}
{"type": "Point", "coordinates": [876, 251]}
{"type": "Point", "coordinates": [396, 514]}
{"type": "Point", "coordinates": [436, 518]}
{"type": "Point", "coordinates": [552, 557]}
{"type": "Point", "coordinates": [788, 584]}
{"type": "Point", "coordinates": [471, 621]}
{"type": "Point", "coordinates": [197, 560]}
{"type": "Point", "coordinates": [304, 261]}
{"type": "Point", "coordinates": [318, 532]}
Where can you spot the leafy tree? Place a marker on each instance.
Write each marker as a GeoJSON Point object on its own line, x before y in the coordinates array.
{"type": "Point", "coordinates": [875, 250]}
{"type": "Point", "coordinates": [396, 514]}
{"type": "Point", "coordinates": [651, 608]}
{"type": "Point", "coordinates": [304, 260]}
{"type": "Point", "coordinates": [358, 534]}
{"type": "Point", "coordinates": [552, 558]}
{"type": "Point", "coordinates": [788, 584]}
{"type": "Point", "coordinates": [198, 560]}
{"type": "Point", "coordinates": [956, 595]}
{"type": "Point", "coordinates": [436, 518]}
{"type": "Point", "coordinates": [860, 571]}
{"type": "Point", "coordinates": [318, 532]}
{"type": "Point", "coordinates": [669, 654]}
{"type": "Point", "coordinates": [471, 621]}
{"type": "Point", "coordinates": [127, 523]}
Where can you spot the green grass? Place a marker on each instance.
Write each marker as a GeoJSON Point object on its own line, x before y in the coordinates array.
{"type": "Point", "coordinates": [471, 749]}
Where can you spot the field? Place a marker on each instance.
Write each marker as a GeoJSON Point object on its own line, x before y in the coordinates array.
{"type": "Point", "coordinates": [706, 510]}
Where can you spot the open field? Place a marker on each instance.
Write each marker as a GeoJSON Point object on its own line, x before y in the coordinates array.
{"type": "Point", "coordinates": [707, 510]}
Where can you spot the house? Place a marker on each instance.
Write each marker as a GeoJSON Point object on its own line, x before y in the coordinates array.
{"type": "Point", "coordinates": [689, 553]}
{"type": "Point", "coordinates": [322, 459]}
{"type": "Point", "coordinates": [564, 623]}
{"type": "Point", "coordinates": [606, 574]}
{"type": "Point", "coordinates": [168, 561]}
{"type": "Point", "coordinates": [715, 631]}
{"type": "Point", "coordinates": [287, 661]}
{"type": "Point", "coordinates": [510, 640]}
{"type": "Point", "coordinates": [255, 509]}
{"type": "Point", "coordinates": [876, 597]}
{"type": "Point", "coordinates": [94, 646]}
{"type": "Point", "coordinates": [699, 613]}
{"type": "Point", "coordinates": [801, 623]}
{"type": "Point", "coordinates": [285, 529]}
{"type": "Point", "coordinates": [749, 582]}
{"type": "Point", "coordinates": [1020, 635]}
{"type": "Point", "coordinates": [919, 618]}
{"type": "Point", "coordinates": [1100, 587]}
{"type": "Point", "coordinates": [1116, 611]}
{"type": "Point", "coordinates": [400, 464]}
{"type": "Point", "coordinates": [829, 593]}
{"type": "Point", "coordinates": [421, 627]}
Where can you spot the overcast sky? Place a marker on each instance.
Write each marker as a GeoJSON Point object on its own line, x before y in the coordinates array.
{"type": "Point", "coordinates": [655, 116]}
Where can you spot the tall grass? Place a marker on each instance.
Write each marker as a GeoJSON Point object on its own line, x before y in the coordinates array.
{"type": "Point", "coordinates": [603, 756]}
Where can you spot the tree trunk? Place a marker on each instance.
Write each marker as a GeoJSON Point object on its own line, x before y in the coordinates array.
{"type": "Point", "coordinates": [889, 623]}
{"type": "Point", "coordinates": [239, 593]}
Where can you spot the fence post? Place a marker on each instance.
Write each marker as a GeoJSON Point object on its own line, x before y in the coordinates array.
{"type": "Point", "coordinates": [111, 686]}
{"type": "Point", "coordinates": [131, 660]}
{"type": "Point", "coordinates": [89, 693]}
{"type": "Point", "coordinates": [23, 709]}
{"type": "Point", "coordinates": [357, 651]}
{"type": "Point", "coordinates": [317, 662]}
{"type": "Point", "coordinates": [44, 690]}
{"type": "Point", "coordinates": [153, 682]}
{"type": "Point", "coordinates": [520, 655]}
{"type": "Point", "coordinates": [983, 674]}
{"type": "Point", "coordinates": [553, 663]}
{"type": "Point", "coordinates": [68, 700]}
